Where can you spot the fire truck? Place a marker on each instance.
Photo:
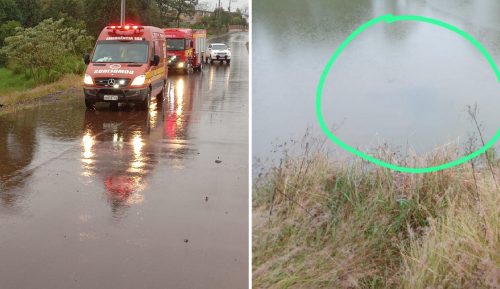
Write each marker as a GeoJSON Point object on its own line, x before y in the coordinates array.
{"type": "Point", "coordinates": [185, 48]}
{"type": "Point", "coordinates": [128, 65]}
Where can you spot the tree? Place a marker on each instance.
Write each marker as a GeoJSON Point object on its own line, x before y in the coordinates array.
{"type": "Point", "coordinates": [100, 13]}
{"type": "Point", "coordinates": [8, 29]}
{"type": "Point", "coordinates": [179, 7]}
{"type": "Point", "coordinates": [30, 12]}
{"type": "Point", "coordinates": [57, 9]}
{"type": "Point", "coordinates": [144, 12]}
{"type": "Point", "coordinates": [204, 6]}
{"type": "Point", "coordinates": [163, 10]}
{"type": "Point", "coordinates": [9, 11]}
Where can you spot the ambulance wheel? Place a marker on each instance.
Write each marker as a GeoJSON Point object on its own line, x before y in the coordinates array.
{"type": "Point", "coordinates": [144, 105]}
{"type": "Point", "coordinates": [89, 104]}
{"type": "Point", "coordinates": [211, 61]}
{"type": "Point", "coordinates": [228, 61]}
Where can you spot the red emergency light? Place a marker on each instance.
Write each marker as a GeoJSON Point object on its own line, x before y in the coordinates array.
{"type": "Point", "coordinates": [126, 27]}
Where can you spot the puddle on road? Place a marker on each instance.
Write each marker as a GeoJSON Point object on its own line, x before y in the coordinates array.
{"type": "Point", "coordinates": [118, 147]}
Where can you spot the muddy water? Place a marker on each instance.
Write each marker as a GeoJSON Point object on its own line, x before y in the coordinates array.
{"type": "Point", "coordinates": [130, 199]}
{"type": "Point", "coordinates": [406, 84]}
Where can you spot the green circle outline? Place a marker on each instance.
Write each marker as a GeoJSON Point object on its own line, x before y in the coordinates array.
{"type": "Point", "coordinates": [389, 18]}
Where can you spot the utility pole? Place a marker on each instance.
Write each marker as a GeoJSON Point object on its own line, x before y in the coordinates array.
{"type": "Point", "coordinates": [122, 17]}
{"type": "Point", "coordinates": [229, 8]}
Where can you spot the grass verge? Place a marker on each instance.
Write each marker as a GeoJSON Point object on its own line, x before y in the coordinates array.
{"type": "Point", "coordinates": [323, 224]}
{"type": "Point", "coordinates": [14, 100]}
{"type": "Point", "coordinates": [11, 81]}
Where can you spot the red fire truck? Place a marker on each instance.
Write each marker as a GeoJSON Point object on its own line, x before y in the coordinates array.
{"type": "Point", "coordinates": [128, 64]}
{"type": "Point", "coordinates": [185, 48]}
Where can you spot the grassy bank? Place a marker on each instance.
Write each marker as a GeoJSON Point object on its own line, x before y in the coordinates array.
{"type": "Point", "coordinates": [11, 82]}
{"type": "Point", "coordinates": [12, 99]}
{"type": "Point", "coordinates": [323, 224]}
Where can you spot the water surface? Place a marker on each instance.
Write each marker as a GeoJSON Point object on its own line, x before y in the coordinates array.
{"type": "Point", "coordinates": [406, 84]}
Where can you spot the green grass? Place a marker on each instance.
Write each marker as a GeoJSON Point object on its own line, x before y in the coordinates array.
{"type": "Point", "coordinates": [10, 82]}
{"type": "Point", "coordinates": [19, 99]}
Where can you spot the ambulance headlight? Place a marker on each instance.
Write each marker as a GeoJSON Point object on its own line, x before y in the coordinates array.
{"type": "Point", "coordinates": [88, 80]}
{"type": "Point", "coordinates": [139, 80]}
{"type": "Point", "coordinates": [180, 65]}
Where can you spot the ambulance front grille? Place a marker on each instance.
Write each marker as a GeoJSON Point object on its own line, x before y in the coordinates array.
{"type": "Point", "coordinates": [111, 82]}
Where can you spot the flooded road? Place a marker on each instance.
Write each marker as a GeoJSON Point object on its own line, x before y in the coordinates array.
{"type": "Point", "coordinates": [406, 84]}
{"type": "Point", "coordinates": [131, 199]}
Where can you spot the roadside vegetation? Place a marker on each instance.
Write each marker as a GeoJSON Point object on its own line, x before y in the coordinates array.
{"type": "Point", "coordinates": [14, 81]}
{"type": "Point", "coordinates": [65, 87]}
{"type": "Point", "coordinates": [46, 52]}
{"type": "Point", "coordinates": [319, 223]}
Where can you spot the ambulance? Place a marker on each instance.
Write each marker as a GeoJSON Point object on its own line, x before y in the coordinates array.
{"type": "Point", "coordinates": [128, 65]}
{"type": "Point", "coordinates": [185, 48]}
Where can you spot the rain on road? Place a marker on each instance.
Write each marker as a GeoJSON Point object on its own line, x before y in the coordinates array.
{"type": "Point", "coordinates": [130, 199]}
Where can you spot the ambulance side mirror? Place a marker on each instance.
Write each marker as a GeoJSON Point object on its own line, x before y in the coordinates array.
{"type": "Point", "coordinates": [86, 58]}
{"type": "Point", "coordinates": [155, 61]}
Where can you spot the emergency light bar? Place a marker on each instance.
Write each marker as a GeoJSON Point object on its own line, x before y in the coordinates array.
{"type": "Point", "coordinates": [126, 27]}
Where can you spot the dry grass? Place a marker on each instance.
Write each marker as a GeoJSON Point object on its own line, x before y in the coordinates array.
{"type": "Point", "coordinates": [461, 249]}
{"type": "Point", "coordinates": [18, 99]}
{"type": "Point", "coordinates": [319, 224]}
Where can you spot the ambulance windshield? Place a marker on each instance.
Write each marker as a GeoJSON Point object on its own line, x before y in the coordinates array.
{"type": "Point", "coordinates": [175, 44]}
{"type": "Point", "coordinates": [121, 52]}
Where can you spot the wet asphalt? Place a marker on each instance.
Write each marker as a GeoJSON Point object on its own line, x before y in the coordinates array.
{"type": "Point", "coordinates": [130, 199]}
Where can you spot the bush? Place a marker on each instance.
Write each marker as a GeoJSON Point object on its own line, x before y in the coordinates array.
{"type": "Point", "coordinates": [47, 51]}
{"type": "Point", "coordinates": [6, 29]}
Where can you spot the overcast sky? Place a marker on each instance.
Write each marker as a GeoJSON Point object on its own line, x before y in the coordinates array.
{"type": "Point", "coordinates": [234, 4]}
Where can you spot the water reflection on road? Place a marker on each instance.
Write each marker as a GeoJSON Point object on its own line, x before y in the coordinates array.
{"type": "Point", "coordinates": [114, 152]}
